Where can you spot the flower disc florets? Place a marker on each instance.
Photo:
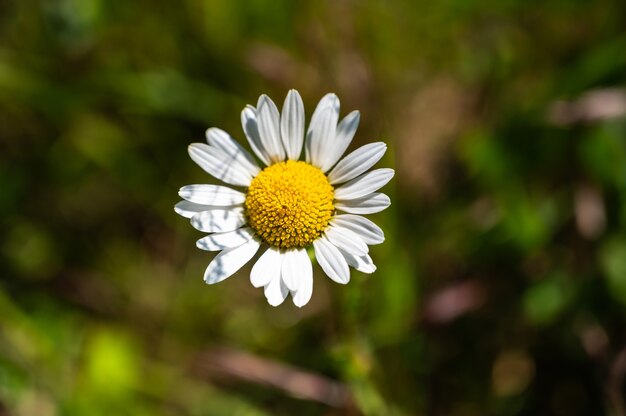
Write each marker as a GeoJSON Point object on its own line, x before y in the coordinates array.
{"type": "Point", "coordinates": [289, 204]}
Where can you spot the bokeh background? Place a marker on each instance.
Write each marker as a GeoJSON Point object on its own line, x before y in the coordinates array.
{"type": "Point", "coordinates": [501, 287]}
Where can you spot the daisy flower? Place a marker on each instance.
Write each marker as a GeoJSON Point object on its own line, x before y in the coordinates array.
{"type": "Point", "coordinates": [287, 205]}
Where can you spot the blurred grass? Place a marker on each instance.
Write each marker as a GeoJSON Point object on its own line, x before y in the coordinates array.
{"type": "Point", "coordinates": [500, 288]}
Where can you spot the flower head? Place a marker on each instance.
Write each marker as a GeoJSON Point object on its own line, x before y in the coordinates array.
{"type": "Point", "coordinates": [290, 204]}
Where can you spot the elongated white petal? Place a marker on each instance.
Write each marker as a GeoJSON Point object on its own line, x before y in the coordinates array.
{"type": "Point", "coordinates": [236, 153]}
{"type": "Point", "coordinates": [229, 239]}
{"type": "Point", "coordinates": [331, 260]}
{"type": "Point", "coordinates": [292, 125]}
{"type": "Point", "coordinates": [251, 129]}
{"type": "Point", "coordinates": [267, 268]}
{"type": "Point", "coordinates": [330, 100]}
{"type": "Point", "coordinates": [189, 209]}
{"type": "Point", "coordinates": [217, 163]}
{"type": "Point", "coordinates": [369, 232]}
{"type": "Point", "coordinates": [296, 263]}
{"type": "Point", "coordinates": [290, 272]}
{"type": "Point", "coordinates": [335, 149]}
{"type": "Point", "coordinates": [227, 262]}
{"type": "Point", "coordinates": [364, 264]}
{"type": "Point", "coordinates": [369, 204]}
{"type": "Point", "coordinates": [357, 162]}
{"type": "Point", "coordinates": [268, 120]}
{"type": "Point", "coordinates": [364, 184]}
{"type": "Point", "coordinates": [321, 128]}
{"type": "Point", "coordinates": [276, 291]}
{"type": "Point", "coordinates": [346, 240]}
{"type": "Point", "coordinates": [212, 195]}
{"type": "Point", "coordinates": [219, 220]}
{"type": "Point", "coordinates": [305, 287]}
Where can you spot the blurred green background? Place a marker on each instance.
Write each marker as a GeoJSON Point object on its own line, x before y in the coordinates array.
{"type": "Point", "coordinates": [501, 287]}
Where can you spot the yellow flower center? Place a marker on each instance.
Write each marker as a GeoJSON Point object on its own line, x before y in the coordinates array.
{"type": "Point", "coordinates": [289, 204]}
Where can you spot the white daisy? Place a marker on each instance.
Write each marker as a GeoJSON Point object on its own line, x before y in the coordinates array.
{"type": "Point", "coordinates": [291, 204]}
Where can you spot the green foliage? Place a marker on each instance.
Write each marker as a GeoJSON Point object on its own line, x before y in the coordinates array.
{"type": "Point", "coordinates": [613, 262]}
{"type": "Point", "coordinates": [501, 285]}
{"type": "Point", "coordinates": [546, 300]}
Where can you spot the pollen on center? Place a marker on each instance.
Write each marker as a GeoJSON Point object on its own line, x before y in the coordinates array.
{"type": "Point", "coordinates": [289, 204]}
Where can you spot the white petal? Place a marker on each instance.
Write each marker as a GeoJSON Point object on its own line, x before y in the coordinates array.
{"type": "Point", "coordinates": [369, 232]}
{"type": "Point", "coordinates": [289, 272]}
{"type": "Point", "coordinates": [251, 129]}
{"type": "Point", "coordinates": [236, 153]}
{"type": "Point", "coordinates": [268, 120]}
{"type": "Point", "coordinates": [369, 204]}
{"type": "Point", "coordinates": [346, 240]}
{"type": "Point", "coordinates": [364, 184]}
{"type": "Point", "coordinates": [267, 268]}
{"type": "Point", "coordinates": [217, 163]}
{"type": "Point", "coordinates": [331, 260]}
{"type": "Point", "coordinates": [357, 162]}
{"type": "Point", "coordinates": [276, 291]}
{"type": "Point", "coordinates": [219, 220]}
{"type": "Point", "coordinates": [227, 262]}
{"type": "Point", "coordinates": [293, 262]}
{"type": "Point", "coordinates": [364, 264]}
{"type": "Point", "coordinates": [212, 195]}
{"type": "Point", "coordinates": [189, 209]}
{"type": "Point", "coordinates": [331, 101]}
{"type": "Point", "coordinates": [292, 125]}
{"type": "Point", "coordinates": [305, 288]}
{"type": "Point", "coordinates": [229, 239]}
{"type": "Point", "coordinates": [343, 136]}
{"type": "Point", "coordinates": [322, 129]}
